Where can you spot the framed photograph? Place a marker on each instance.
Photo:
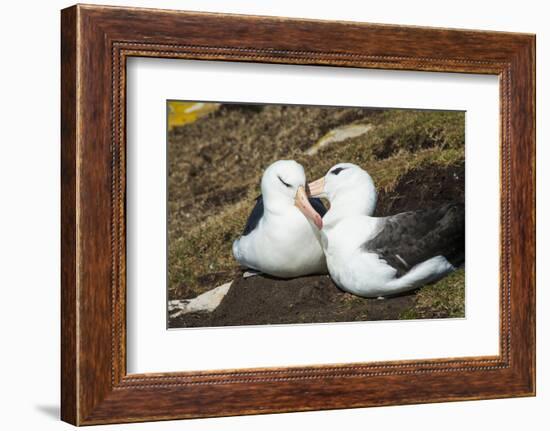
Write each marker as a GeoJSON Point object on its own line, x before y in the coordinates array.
{"type": "Point", "coordinates": [264, 214]}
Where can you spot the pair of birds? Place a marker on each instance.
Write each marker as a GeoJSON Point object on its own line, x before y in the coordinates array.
{"type": "Point", "coordinates": [290, 233]}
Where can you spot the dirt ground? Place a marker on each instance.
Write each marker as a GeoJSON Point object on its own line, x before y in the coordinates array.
{"type": "Point", "coordinates": [263, 300]}
{"type": "Point", "coordinates": [215, 163]}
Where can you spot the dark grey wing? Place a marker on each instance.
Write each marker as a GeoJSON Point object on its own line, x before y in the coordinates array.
{"type": "Point", "coordinates": [318, 206]}
{"type": "Point", "coordinates": [409, 238]}
{"type": "Point", "coordinates": [255, 216]}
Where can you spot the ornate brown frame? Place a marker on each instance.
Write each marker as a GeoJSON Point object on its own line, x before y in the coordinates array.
{"type": "Point", "coordinates": [95, 43]}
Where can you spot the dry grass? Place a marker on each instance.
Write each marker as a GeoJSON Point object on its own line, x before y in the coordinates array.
{"type": "Point", "coordinates": [215, 165]}
{"type": "Point", "coordinates": [446, 298]}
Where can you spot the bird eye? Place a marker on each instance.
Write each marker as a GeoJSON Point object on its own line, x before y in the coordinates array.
{"type": "Point", "coordinates": [281, 180]}
{"type": "Point", "coordinates": [337, 171]}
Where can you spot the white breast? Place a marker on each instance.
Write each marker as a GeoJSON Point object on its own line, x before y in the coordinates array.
{"type": "Point", "coordinates": [284, 245]}
{"type": "Point", "coordinates": [351, 268]}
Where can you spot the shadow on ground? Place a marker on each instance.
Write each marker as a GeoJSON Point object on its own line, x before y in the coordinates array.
{"type": "Point", "coordinates": [52, 411]}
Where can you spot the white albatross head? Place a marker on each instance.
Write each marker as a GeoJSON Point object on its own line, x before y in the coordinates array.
{"type": "Point", "coordinates": [284, 184]}
{"type": "Point", "coordinates": [349, 189]}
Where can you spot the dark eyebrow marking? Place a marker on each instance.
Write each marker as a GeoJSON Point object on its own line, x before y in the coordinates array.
{"type": "Point", "coordinates": [337, 171]}
{"type": "Point", "coordinates": [281, 180]}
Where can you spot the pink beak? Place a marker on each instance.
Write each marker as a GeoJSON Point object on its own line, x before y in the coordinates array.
{"type": "Point", "coordinates": [317, 187]}
{"type": "Point", "coordinates": [301, 201]}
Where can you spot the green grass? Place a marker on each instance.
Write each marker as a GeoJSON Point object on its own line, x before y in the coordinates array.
{"type": "Point", "coordinates": [203, 224]}
{"type": "Point", "coordinates": [402, 140]}
{"type": "Point", "coordinates": [446, 298]}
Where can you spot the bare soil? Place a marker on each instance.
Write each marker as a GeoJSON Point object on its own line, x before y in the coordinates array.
{"type": "Point", "coordinates": [264, 300]}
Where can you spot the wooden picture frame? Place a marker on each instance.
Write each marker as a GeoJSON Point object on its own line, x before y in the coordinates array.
{"type": "Point", "coordinates": [95, 43]}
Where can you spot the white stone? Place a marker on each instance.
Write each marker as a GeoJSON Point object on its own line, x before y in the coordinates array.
{"type": "Point", "coordinates": [338, 135]}
{"type": "Point", "coordinates": [206, 302]}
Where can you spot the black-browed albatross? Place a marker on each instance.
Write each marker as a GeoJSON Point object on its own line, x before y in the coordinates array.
{"type": "Point", "coordinates": [384, 256]}
{"type": "Point", "coordinates": [281, 237]}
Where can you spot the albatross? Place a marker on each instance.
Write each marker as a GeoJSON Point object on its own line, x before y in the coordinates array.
{"type": "Point", "coordinates": [281, 237]}
{"type": "Point", "coordinates": [384, 256]}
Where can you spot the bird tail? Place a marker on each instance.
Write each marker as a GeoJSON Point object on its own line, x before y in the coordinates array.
{"type": "Point", "coordinates": [428, 271]}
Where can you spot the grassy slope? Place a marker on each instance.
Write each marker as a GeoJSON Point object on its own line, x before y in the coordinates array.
{"type": "Point", "coordinates": [236, 143]}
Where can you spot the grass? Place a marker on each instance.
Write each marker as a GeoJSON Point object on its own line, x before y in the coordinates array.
{"type": "Point", "coordinates": [446, 298]}
{"type": "Point", "coordinates": [216, 162]}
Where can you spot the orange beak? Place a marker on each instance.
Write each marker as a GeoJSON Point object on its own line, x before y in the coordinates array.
{"type": "Point", "coordinates": [317, 187]}
{"type": "Point", "coordinates": [301, 201]}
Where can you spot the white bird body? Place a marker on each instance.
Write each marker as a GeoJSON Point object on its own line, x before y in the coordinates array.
{"type": "Point", "coordinates": [284, 245]}
{"type": "Point", "coordinates": [365, 274]}
{"type": "Point", "coordinates": [279, 239]}
{"type": "Point", "coordinates": [365, 255]}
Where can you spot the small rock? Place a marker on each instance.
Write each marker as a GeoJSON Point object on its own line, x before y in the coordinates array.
{"type": "Point", "coordinates": [338, 135]}
{"type": "Point", "coordinates": [207, 302]}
